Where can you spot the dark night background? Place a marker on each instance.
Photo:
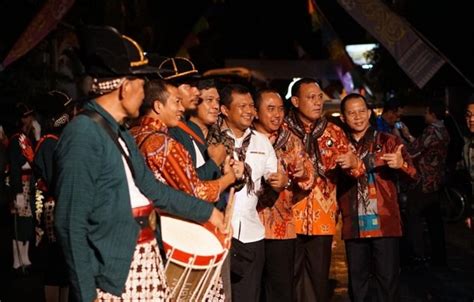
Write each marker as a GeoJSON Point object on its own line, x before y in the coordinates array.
{"type": "Point", "coordinates": [243, 29]}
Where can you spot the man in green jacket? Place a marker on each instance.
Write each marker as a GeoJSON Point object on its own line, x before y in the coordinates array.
{"type": "Point", "coordinates": [105, 194]}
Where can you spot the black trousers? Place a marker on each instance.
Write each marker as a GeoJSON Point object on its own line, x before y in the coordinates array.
{"type": "Point", "coordinates": [426, 206]}
{"type": "Point", "coordinates": [377, 257]}
{"type": "Point", "coordinates": [278, 271]}
{"type": "Point", "coordinates": [247, 289]}
{"type": "Point", "coordinates": [312, 261]}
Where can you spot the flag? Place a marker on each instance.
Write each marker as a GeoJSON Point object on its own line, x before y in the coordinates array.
{"type": "Point", "coordinates": [419, 61]}
{"type": "Point", "coordinates": [336, 49]}
{"type": "Point", "coordinates": [44, 21]}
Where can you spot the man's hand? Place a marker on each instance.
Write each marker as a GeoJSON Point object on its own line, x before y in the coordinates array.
{"type": "Point", "coordinates": [217, 153]}
{"type": "Point", "coordinates": [238, 167]}
{"type": "Point", "coordinates": [217, 220]}
{"type": "Point", "coordinates": [348, 160]}
{"type": "Point", "coordinates": [394, 160]}
{"type": "Point", "coordinates": [278, 181]}
{"type": "Point", "coordinates": [298, 168]}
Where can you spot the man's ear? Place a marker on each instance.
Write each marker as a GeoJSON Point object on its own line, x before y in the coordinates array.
{"type": "Point", "coordinates": [157, 106]}
{"type": "Point", "coordinates": [342, 118]}
{"type": "Point", "coordinates": [224, 110]}
{"type": "Point", "coordinates": [124, 89]}
{"type": "Point", "coordinates": [295, 101]}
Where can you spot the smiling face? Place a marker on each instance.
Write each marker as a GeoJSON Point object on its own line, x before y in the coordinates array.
{"type": "Point", "coordinates": [172, 110]}
{"type": "Point", "coordinates": [270, 112]}
{"type": "Point", "coordinates": [356, 115]}
{"type": "Point", "coordinates": [309, 102]}
{"type": "Point", "coordinates": [241, 111]}
{"type": "Point", "coordinates": [208, 110]}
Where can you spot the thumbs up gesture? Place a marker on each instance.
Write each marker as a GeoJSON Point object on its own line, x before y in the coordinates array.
{"type": "Point", "coordinates": [394, 160]}
{"type": "Point", "coordinates": [278, 180]}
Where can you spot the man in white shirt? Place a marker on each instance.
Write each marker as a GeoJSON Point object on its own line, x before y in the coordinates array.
{"type": "Point", "coordinates": [255, 149]}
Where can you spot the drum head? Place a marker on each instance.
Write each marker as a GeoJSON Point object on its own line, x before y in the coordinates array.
{"type": "Point", "coordinates": [191, 239]}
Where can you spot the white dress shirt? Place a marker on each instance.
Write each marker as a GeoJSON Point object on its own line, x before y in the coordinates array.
{"type": "Point", "coordinates": [260, 156]}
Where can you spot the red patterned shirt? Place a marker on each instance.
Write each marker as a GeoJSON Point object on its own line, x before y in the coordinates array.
{"type": "Point", "coordinates": [170, 162]}
{"type": "Point", "coordinates": [278, 219]}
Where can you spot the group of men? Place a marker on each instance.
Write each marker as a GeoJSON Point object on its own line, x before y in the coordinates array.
{"type": "Point", "coordinates": [189, 141]}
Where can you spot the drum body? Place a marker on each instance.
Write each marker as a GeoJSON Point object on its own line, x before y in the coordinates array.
{"type": "Point", "coordinates": [195, 254]}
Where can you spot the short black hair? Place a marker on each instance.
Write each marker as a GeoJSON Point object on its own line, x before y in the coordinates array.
{"type": "Point", "coordinates": [295, 89]}
{"type": "Point", "coordinates": [392, 104]}
{"type": "Point", "coordinates": [226, 93]}
{"type": "Point", "coordinates": [155, 89]}
{"type": "Point", "coordinates": [470, 100]}
{"type": "Point", "coordinates": [258, 95]}
{"type": "Point", "coordinates": [438, 108]}
{"type": "Point", "coordinates": [207, 84]}
{"type": "Point", "coordinates": [351, 96]}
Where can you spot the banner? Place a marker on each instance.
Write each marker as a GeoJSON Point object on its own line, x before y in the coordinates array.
{"type": "Point", "coordinates": [45, 20]}
{"type": "Point", "coordinates": [334, 45]}
{"type": "Point", "coordinates": [419, 61]}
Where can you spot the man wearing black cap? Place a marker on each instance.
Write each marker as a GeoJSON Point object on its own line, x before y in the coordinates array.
{"type": "Point", "coordinates": [207, 159]}
{"type": "Point", "coordinates": [55, 108]}
{"type": "Point", "coordinates": [106, 196]}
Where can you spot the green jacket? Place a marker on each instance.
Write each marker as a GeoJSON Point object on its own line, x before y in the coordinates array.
{"type": "Point", "coordinates": [93, 217]}
{"type": "Point", "coordinates": [209, 170]}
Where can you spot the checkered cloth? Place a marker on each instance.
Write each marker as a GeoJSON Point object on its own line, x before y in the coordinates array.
{"type": "Point", "coordinates": [146, 280]}
{"type": "Point", "coordinates": [104, 86]}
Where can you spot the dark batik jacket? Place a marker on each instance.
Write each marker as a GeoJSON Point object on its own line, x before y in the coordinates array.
{"type": "Point", "coordinates": [369, 204]}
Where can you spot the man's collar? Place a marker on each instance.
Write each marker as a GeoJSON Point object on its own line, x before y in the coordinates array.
{"type": "Point", "coordinates": [226, 129]}
{"type": "Point", "coordinates": [92, 105]}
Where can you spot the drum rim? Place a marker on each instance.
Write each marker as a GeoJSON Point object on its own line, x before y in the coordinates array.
{"type": "Point", "coordinates": [181, 257]}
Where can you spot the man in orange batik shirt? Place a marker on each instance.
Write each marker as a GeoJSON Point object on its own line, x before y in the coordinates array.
{"type": "Point", "coordinates": [276, 214]}
{"type": "Point", "coordinates": [315, 216]}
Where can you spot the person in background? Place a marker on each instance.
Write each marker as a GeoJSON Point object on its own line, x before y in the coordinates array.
{"type": "Point", "coordinates": [468, 157]}
{"type": "Point", "coordinates": [392, 111]}
{"type": "Point", "coordinates": [429, 152]}
{"type": "Point", "coordinates": [276, 215]}
{"type": "Point", "coordinates": [371, 224]}
{"type": "Point", "coordinates": [55, 108]}
{"type": "Point", "coordinates": [106, 196]}
{"type": "Point", "coordinates": [20, 185]}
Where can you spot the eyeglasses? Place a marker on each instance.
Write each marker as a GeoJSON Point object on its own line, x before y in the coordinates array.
{"type": "Point", "coordinates": [468, 114]}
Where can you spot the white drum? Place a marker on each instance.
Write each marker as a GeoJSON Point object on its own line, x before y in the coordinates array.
{"type": "Point", "coordinates": [195, 255]}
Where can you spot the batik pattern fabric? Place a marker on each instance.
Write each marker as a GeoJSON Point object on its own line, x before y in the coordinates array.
{"type": "Point", "coordinates": [368, 217]}
{"type": "Point", "coordinates": [146, 280]}
{"type": "Point", "coordinates": [170, 162]}
{"type": "Point", "coordinates": [429, 152]}
{"type": "Point", "coordinates": [218, 134]}
{"type": "Point", "coordinates": [316, 213]}
{"type": "Point", "coordinates": [369, 203]}
{"type": "Point", "coordinates": [278, 219]}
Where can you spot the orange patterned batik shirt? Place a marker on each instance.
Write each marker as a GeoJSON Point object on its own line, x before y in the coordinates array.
{"type": "Point", "coordinates": [278, 219]}
{"type": "Point", "coordinates": [316, 214]}
{"type": "Point", "coordinates": [170, 162]}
